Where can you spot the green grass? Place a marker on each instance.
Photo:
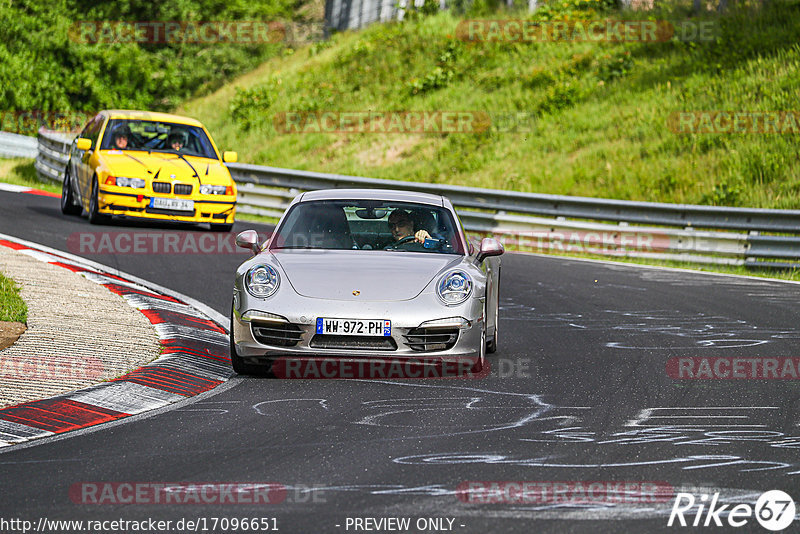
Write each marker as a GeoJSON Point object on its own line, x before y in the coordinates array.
{"type": "Point", "coordinates": [599, 110]}
{"type": "Point", "coordinates": [12, 307]}
{"type": "Point", "coordinates": [20, 171]}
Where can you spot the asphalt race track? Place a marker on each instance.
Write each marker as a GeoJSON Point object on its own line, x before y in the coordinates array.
{"type": "Point", "coordinates": [578, 392]}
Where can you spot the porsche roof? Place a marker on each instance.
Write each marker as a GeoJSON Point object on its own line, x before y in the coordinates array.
{"type": "Point", "coordinates": [373, 194]}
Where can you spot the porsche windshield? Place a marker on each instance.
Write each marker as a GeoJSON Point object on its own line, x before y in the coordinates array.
{"type": "Point", "coordinates": [368, 225]}
{"type": "Point", "coordinates": [157, 136]}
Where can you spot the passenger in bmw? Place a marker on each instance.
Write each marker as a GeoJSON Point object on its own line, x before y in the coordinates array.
{"type": "Point", "coordinates": [176, 141]}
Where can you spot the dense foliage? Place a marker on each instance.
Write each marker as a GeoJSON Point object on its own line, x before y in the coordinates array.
{"type": "Point", "coordinates": [45, 67]}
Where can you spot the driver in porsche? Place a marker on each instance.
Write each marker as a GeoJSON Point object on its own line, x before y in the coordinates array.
{"type": "Point", "coordinates": [402, 226]}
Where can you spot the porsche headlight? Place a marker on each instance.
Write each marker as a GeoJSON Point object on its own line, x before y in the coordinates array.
{"type": "Point", "coordinates": [206, 189]}
{"type": "Point", "coordinates": [123, 181]}
{"type": "Point", "coordinates": [261, 280]}
{"type": "Point", "coordinates": [454, 288]}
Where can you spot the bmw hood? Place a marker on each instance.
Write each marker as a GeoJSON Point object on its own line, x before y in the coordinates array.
{"type": "Point", "coordinates": [373, 275]}
{"type": "Point", "coordinates": [166, 166]}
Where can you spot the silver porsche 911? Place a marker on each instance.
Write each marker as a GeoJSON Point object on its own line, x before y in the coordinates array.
{"type": "Point", "coordinates": [365, 274]}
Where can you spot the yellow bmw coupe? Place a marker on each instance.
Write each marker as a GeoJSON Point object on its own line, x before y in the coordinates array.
{"type": "Point", "coordinates": [139, 164]}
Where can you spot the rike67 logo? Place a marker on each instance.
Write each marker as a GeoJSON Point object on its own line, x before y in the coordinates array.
{"type": "Point", "coordinates": [774, 510]}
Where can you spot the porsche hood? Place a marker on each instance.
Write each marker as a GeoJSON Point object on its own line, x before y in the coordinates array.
{"type": "Point", "coordinates": [359, 275]}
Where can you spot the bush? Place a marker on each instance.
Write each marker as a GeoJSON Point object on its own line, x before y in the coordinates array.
{"type": "Point", "coordinates": [45, 66]}
{"type": "Point", "coordinates": [249, 107]}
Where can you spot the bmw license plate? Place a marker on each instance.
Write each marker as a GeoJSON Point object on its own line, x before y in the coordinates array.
{"type": "Point", "coordinates": [177, 204]}
{"type": "Point", "coordinates": [354, 327]}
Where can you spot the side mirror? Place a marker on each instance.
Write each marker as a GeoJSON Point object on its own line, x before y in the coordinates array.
{"type": "Point", "coordinates": [249, 240]}
{"type": "Point", "coordinates": [489, 247]}
{"type": "Point", "coordinates": [230, 157]}
{"type": "Point", "coordinates": [83, 144]}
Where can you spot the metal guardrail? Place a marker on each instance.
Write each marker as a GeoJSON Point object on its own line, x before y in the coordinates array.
{"type": "Point", "coordinates": [607, 227]}
{"type": "Point", "coordinates": [52, 156]}
{"type": "Point", "coordinates": [17, 146]}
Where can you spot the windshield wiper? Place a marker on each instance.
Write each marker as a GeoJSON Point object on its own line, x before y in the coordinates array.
{"type": "Point", "coordinates": [140, 162]}
{"type": "Point", "coordinates": [196, 175]}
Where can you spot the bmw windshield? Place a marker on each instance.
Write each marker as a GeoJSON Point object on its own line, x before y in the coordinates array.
{"type": "Point", "coordinates": [157, 136]}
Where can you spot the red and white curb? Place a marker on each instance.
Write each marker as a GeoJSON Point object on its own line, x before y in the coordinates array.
{"type": "Point", "coordinates": [195, 357]}
{"type": "Point", "coordinates": [23, 189]}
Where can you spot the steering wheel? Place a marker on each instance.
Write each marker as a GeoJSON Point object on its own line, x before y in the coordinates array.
{"type": "Point", "coordinates": [406, 239]}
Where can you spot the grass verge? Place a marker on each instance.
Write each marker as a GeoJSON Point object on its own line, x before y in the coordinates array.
{"type": "Point", "coordinates": [12, 307]}
{"type": "Point", "coordinates": [20, 171]}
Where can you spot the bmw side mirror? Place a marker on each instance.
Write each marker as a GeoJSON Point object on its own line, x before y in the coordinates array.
{"type": "Point", "coordinates": [230, 157]}
{"type": "Point", "coordinates": [83, 144]}
{"type": "Point", "coordinates": [249, 240]}
{"type": "Point", "coordinates": [489, 247]}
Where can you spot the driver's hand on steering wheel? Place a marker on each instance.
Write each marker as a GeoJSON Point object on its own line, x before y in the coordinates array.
{"type": "Point", "coordinates": [421, 236]}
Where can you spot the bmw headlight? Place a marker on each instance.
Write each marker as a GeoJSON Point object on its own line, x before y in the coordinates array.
{"type": "Point", "coordinates": [123, 181]}
{"type": "Point", "coordinates": [454, 288]}
{"type": "Point", "coordinates": [206, 189]}
{"type": "Point", "coordinates": [261, 280]}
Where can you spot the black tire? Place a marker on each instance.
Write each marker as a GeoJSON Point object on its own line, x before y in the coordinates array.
{"type": "Point", "coordinates": [94, 216]}
{"type": "Point", "coordinates": [477, 367]}
{"type": "Point", "coordinates": [238, 364]}
{"type": "Point", "coordinates": [68, 206]}
{"type": "Point", "coordinates": [491, 343]}
{"type": "Point", "coordinates": [227, 227]}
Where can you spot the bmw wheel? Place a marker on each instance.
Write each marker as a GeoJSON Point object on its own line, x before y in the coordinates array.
{"type": "Point", "coordinates": [68, 206]}
{"type": "Point", "coordinates": [94, 216]}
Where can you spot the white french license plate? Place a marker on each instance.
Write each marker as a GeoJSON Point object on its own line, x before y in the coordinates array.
{"type": "Point", "coordinates": [177, 204]}
{"type": "Point", "coordinates": [354, 327]}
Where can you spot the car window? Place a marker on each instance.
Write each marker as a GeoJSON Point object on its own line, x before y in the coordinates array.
{"type": "Point", "coordinates": [159, 136]}
{"type": "Point", "coordinates": [365, 225]}
{"type": "Point", "coordinates": [92, 130]}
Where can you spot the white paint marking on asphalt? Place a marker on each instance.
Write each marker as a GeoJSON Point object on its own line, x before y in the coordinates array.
{"type": "Point", "coordinates": [14, 188]}
{"type": "Point", "coordinates": [12, 432]}
{"type": "Point", "coordinates": [126, 397]}
{"type": "Point", "coordinates": [104, 280]}
{"type": "Point", "coordinates": [170, 331]}
{"type": "Point", "coordinates": [143, 302]}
